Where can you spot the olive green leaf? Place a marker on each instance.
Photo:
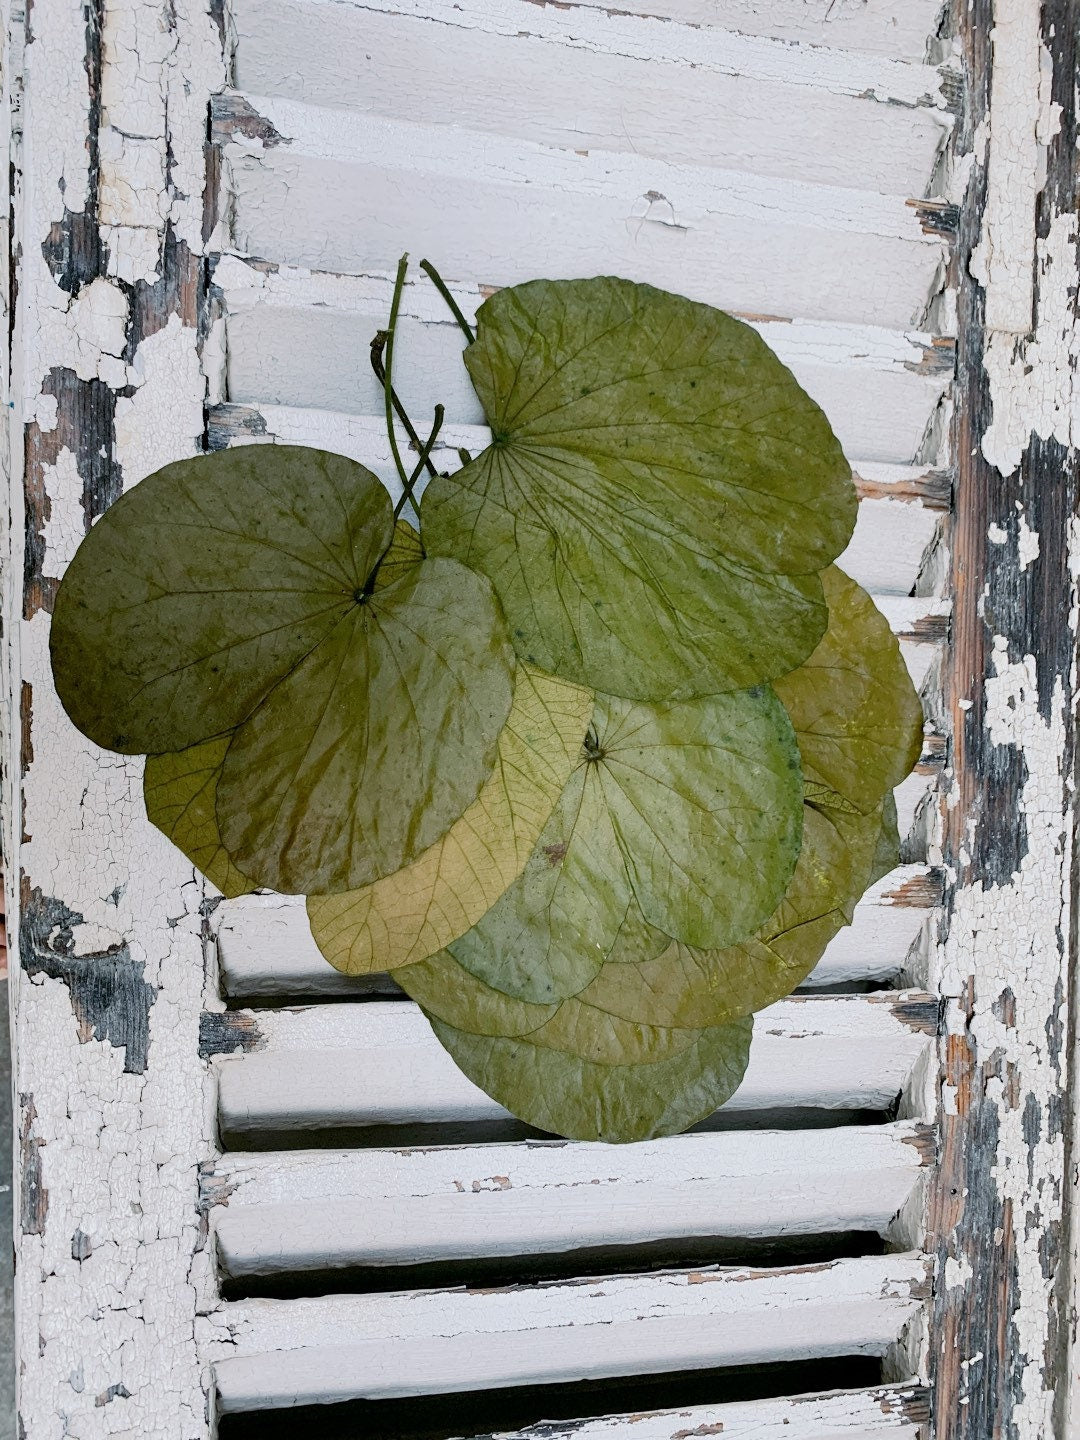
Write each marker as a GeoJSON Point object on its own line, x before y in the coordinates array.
{"type": "Point", "coordinates": [405, 551]}
{"type": "Point", "coordinates": [584, 1099]}
{"type": "Point", "coordinates": [204, 585]}
{"type": "Point", "coordinates": [367, 752]}
{"type": "Point", "coordinates": [659, 494]}
{"type": "Point", "coordinates": [686, 817]}
{"type": "Point", "coordinates": [854, 708]}
{"type": "Point", "coordinates": [887, 854]}
{"type": "Point", "coordinates": [179, 791]}
{"type": "Point", "coordinates": [422, 907]}
{"type": "Point", "coordinates": [691, 986]}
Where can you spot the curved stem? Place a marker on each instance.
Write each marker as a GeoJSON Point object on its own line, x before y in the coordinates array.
{"type": "Point", "coordinates": [378, 345]}
{"type": "Point", "coordinates": [388, 374]}
{"type": "Point", "coordinates": [440, 285]}
{"type": "Point", "coordinates": [425, 452]}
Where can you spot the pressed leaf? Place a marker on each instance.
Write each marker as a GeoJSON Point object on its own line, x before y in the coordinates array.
{"type": "Point", "coordinates": [691, 986]}
{"type": "Point", "coordinates": [854, 708]}
{"type": "Point", "coordinates": [659, 495]}
{"type": "Point", "coordinates": [449, 993]}
{"type": "Point", "coordinates": [417, 910]}
{"type": "Point", "coordinates": [586, 1100]}
{"type": "Point", "coordinates": [685, 817]}
{"type": "Point", "coordinates": [368, 751]}
{"type": "Point", "coordinates": [204, 585]}
{"type": "Point", "coordinates": [179, 792]}
{"type": "Point", "coordinates": [887, 854]}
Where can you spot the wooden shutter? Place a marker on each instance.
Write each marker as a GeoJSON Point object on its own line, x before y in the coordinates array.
{"type": "Point", "coordinates": [247, 1185]}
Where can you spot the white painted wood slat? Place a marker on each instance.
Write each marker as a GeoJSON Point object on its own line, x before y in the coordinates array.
{"type": "Point", "coordinates": [378, 1063]}
{"type": "Point", "coordinates": [889, 1410]}
{"type": "Point", "coordinates": [322, 1209]}
{"type": "Point", "coordinates": [272, 1353]}
{"type": "Point", "coordinates": [880, 26]}
{"type": "Point", "coordinates": [288, 346]}
{"type": "Point", "coordinates": [590, 80]}
{"type": "Point", "coordinates": [265, 944]}
{"type": "Point", "coordinates": [334, 190]}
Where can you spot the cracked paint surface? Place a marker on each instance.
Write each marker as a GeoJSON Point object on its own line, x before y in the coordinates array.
{"type": "Point", "coordinates": [116, 1106]}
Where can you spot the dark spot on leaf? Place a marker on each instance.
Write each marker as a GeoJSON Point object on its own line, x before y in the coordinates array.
{"type": "Point", "coordinates": [556, 854]}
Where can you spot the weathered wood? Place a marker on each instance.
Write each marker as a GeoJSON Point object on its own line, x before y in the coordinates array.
{"type": "Point", "coordinates": [271, 1353]}
{"type": "Point", "coordinates": [997, 1345]}
{"type": "Point", "coordinates": [325, 1209]}
{"type": "Point", "coordinates": [358, 1065]}
{"type": "Point", "coordinates": [597, 80]}
{"type": "Point", "coordinates": [107, 974]}
{"type": "Point", "coordinates": [890, 1410]}
{"type": "Point", "coordinates": [332, 189]}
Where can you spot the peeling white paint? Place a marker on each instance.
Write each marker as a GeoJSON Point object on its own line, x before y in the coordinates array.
{"type": "Point", "coordinates": [110, 1275]}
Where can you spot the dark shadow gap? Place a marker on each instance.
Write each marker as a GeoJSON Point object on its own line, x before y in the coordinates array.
{"type": "Point", "coordinates": [483, 1413]}
{"type": "Point", "coordinates": [367, 1137]}
{"type": "Point", "coordinates": [489, 1271]}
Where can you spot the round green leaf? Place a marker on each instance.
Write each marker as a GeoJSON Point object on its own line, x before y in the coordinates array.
{"type": "Point", "coordinates": [206, 584]}
{"type": "Point", "coordinates": [449, 993]}
{"type": "Point", "coordinates": [690, 986]}
{"type": "Point", "coordinates": [417, 910]}
{"type": "Point", "coordinates": [584, 1099]}
{"type": "Point", "coordinates": [179, 791]}
{"type": "Point", "coordinates": [686, 817]}
{"type": "Point", "coordinates": [377, 741]}
{"type": "Point", "coordinates": [658, 496]}
{"type": "Point", "coordinates": [854, 708]}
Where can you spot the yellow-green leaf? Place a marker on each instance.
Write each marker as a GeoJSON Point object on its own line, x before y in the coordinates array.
{"type": "Point", "coordinates": [409, 915]}
{"type": "Point", "coordinates": [179, 792]}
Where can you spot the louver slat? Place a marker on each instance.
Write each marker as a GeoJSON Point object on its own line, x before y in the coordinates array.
{"type": "Point", "coordinates": [318, 1210]}
{"type": "Point", "coordinates": [328, 1066]}
{"type": "Point", "coordinates": [891, 1410]}
{"type": "Point", "coordinates": [272, 1353]}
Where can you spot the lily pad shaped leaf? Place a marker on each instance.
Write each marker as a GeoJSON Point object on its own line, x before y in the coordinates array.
{"type": "Point", "coordinates": [857, 714]}
{"type": "Point", "coordinates": [204, 585]}
{"type": "Point", "coordinates": [583, 1099]}
{"type": "Point", "coordinates": [659, 494]}
{"type": "Point", "coordinates": [411, 914]}
{"type": "Point", "coordinates": [691, 986]}
{"type": "Point", "coordinates": [687, 815]}
{"type": "Point", "coordinates": [368, 751]}
{"type": "Point", "coordinates": [179, 791]}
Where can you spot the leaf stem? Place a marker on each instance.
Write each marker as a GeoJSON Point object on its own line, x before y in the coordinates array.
{"type": "Point", "coordinates": [388, 373]}
{"type": "Point", "coordinates": [377, 347]}
{"type": "Point", "coordinates": [440, 285]}
{"type": "Point", "coordinates": [425, 452]}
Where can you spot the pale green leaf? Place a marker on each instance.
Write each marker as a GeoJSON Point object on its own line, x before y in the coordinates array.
{"type": "Point", "coordinates": [691, 986]}
{"type": "Point", "coordinates": [685, 817]}
{"type": "Point", "coordinates": [659, 494]}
